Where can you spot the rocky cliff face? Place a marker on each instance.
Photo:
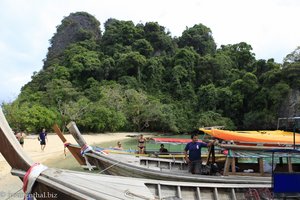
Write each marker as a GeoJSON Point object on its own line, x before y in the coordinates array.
{"type": "Point", "coordinates": [291, 106]}
{"type": "Point", "coordinates": [76, 27]}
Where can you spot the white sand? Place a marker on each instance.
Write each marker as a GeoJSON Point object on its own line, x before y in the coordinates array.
{"type": "Point", "coordinates": [9, 184]}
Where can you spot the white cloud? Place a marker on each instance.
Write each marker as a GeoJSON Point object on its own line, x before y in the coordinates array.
{"type": "Point", "coordinates": [269, 26]}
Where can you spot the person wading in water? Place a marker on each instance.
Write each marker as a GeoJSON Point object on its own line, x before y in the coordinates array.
{"type": "Point", "coordinates": [141, 144]}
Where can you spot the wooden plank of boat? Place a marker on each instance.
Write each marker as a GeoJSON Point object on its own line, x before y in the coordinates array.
{"type": "Point", "coordinates": [105, 187]}
{"type": "Point", "coordinates": [126, 165]}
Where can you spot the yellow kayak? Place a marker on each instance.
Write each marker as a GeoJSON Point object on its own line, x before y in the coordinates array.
{"type": "Point", "coordinates": [273, 137]}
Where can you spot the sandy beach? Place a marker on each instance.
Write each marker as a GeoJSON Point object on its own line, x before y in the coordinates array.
{"type": "Point", "coordinates": [10, 186]}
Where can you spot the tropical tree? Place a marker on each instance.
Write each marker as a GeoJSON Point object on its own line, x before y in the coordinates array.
{"type": "Point", "coordinates": [200, 38]}
{"type": "Point", "coordinates": [241, 55]}
{"type": "Point", "coordinates": [159, 39]}
{"type": "Point", "coordinates": [292, 57]}
{"type": "Point", "coordinates": [209, 119]}
{"type": "Point", "coordinates": [131, 64]}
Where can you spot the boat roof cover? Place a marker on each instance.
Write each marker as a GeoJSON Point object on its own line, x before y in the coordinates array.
{"type": "Point", "coordinates": [283, 150]}
{"type": "Point", "coordinates": [173, 140]}
{"type": "Point", "coordinates": [264, 154]}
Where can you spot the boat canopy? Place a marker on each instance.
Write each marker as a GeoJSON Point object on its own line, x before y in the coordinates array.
{"type": "Point", "coordinates": [173, 140]}
{"type": "Point", "coordinates": [284, 150]}
{"type": "Point", "coordinates": [284, 153]}
{"type": "Point", "coordinates": [288, 123]}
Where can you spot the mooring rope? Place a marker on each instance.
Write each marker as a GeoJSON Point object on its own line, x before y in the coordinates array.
{"type": "Point", "coordinates": [85, 149]}
{"type": "Point", "coordinates": [66, 144]}
{"type": "Point", "coordinates": [31, 175]}
{"type": "Point", "coordinates": [109, 167]}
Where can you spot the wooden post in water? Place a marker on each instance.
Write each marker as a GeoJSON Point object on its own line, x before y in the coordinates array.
{"type": "Point", "coordinates": [213, 154]}
{"type": "Point", "coordinates": [261, 166]}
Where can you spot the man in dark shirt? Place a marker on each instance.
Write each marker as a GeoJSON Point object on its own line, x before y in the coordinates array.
{"type": "Point", "coordinates": [193, 149]}
{"type": "Point", "coordinates": [163, 149]}
{"type": "Point", "coordinates": [42, 139]}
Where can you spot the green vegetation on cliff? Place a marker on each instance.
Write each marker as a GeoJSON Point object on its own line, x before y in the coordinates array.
{"type": "Point", "coordinates": [137, 77]}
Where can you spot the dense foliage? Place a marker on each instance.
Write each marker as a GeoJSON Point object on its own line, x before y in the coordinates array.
{"type": "Point", "coordinates": [138, 77]}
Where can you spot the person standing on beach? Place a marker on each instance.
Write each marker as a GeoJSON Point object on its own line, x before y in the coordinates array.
{"type": "Point", "coordinates": [42, 138]}
{"type": "Point", "coordinates": [20, 137]}
{"type": "Point", "coordinates": [193, 149]}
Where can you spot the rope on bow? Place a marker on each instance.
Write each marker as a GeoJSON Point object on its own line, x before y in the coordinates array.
{"type": "Point", "coordinates": [31, 175]}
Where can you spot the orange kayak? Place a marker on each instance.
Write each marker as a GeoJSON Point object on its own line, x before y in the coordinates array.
{"type": "Point", "coordinates": [274, 137]}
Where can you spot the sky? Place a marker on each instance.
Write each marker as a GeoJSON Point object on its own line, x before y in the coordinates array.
{"type": "Point", "coordinates": [271, 27]}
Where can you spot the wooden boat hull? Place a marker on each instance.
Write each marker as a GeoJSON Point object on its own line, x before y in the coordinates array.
{"type": "Point", "coordinates": [126, 165]}
{"type": "Point", "coordinates": [75, 150]}
{"type": "Point", "coordinates": [276, 137]}
{"type": "Point", "coordinates": [117, 165]}
{"type": "Point", "coordinates": [17, 159]}
{"type": "Point", "coordinates": [157, 189]}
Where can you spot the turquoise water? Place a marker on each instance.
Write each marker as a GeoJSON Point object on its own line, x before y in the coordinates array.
{"type": "Point", "coordinates": [152, 146]}
{"type": "Point", "coordinates": [131, 143]}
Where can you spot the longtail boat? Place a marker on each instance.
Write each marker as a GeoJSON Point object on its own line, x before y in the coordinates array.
{"type": "Point", "coordinates": [51, 183]}
{"type": "Point", "coordinates": [76, 150]}
{"type": "Point", "coordinates": [155, 168]}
